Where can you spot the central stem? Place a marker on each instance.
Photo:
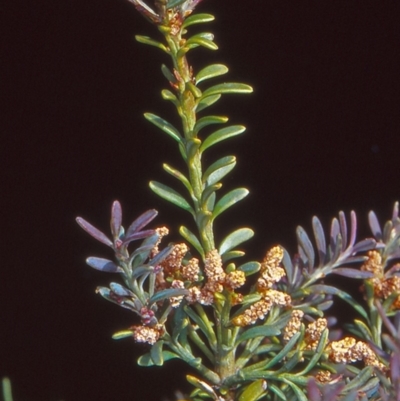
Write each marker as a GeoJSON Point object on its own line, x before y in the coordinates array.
{"type": "Point", "coordinates": [187, 94]}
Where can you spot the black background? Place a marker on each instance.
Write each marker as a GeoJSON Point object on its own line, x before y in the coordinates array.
{"type": "Point", "coordinates": [323, 136]}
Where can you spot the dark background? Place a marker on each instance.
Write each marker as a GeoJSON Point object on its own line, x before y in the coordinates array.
{"type": "Point", "coordinates": [323, 136]}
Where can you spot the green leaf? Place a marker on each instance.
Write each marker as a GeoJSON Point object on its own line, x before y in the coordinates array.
{"type": "Point", "coordinates": [211, 202]}
{"type": "Point", "coordinates": [208, 120]}
{"type": "Point", "coordinates": [180, 322]}
{"type": "Point", "coordinates": [254, 390]}
{"type": "Point", "coordinates": [178, 175]}
{"type": "Point", "coordinates": [156, 353]}
{"type": "Point", "coordinates": [201, 40]}
{"type": "Point", "coordinates": [7, 392]}
{"type": "Point", "coordinates": [194, 381]}
{"type": "Point", "coordinates": [208, 191]}
{"type": "Point", "coordinates": [219, 164]}
{"type": "Point", "coordinates": [250, 268]}
{"type": "Point", "coordinates": [211, 71]}
{"type": "Point", "coordinates": [145, 360]}
{"type": "Point", "coordinates": [277, 391]}
{"type": "Point", "coordinates": [300, 396]}
{"type": "Point", "coordinates": [364, 330]}
{"type": "Point", "coordinates": [170, 195]}
{"type": "Point", "coordinates": [197, 93]}
{"type": "Point", "coordinates": [197, 19]}
{"type": "Point", "coordinates": [250, 299]}
{"type": "Point", "coordinates": [228, 200]}
{"type": "Point", "coordinates": [282, 354]}
{"type": "Point", "coordinates": [219, 169]}
{"type": "Point", "coordinates": [167, 73]}
{"type": "Point", "coordinates": [360, 379]}
{"type": "Point", "coordinates": [192, 147]}
{"type": "Point", "coordinates": [205, 102]}
{"type": "Point", "coordinates": [259, 331]}
{"type": "Point", "coordinates": [168, 95]}
{"type": "Point", "coordinates": [192, 239]}
{"type": "Point", "coordinates": [149, 41]}
{"type": "Point", "coordinates": [232, 255]}
{"type": "Point", "coordinates": [164, 125]}
{"type": "Point", "coordinates": [317, 354]}
{"type": "Point", "coordinates": [166, 294]}
{"type": "Point", "coordinates": [227, 88]}
{"type": "Point", "coordinates": [221, 135]}
{"type": "Point", "coordinates": [122, 334]}
{"type": "Point", "coordinates": [235, 238]}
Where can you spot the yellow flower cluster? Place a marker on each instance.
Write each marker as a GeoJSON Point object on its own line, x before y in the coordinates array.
{"type": "Point", "coordinates": [383, 285]}
{"type": "Point", "coordinates": [293, 326]}
{"type": "Point", "coordinates": [191, 270]}
{"type": "Point", "coordinates": [313, 333]}
{"type": "Point", "coordinates": [146, 334]}
{"type": "Point", "coordinates": [271, 273]}
{"type": "Point", "coordinates": [261, 308]}
{"type": "Point", "coordinates": [323, 376]}
{"type": "Point", "coordinates": [350, 350]}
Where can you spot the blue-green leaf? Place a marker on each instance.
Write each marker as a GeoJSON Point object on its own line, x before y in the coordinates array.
{"type": "Point", "coordinates": [160, 256]}
{"type": "Point", "coordinates": [156, 353]}
{"type": "Point", "coordinates": [167, 73]}
{"type": "Point", "coordinates": [145, 360]}
{"type": "Point", "coordinates": [174, 3]}
{"type": "Point", "coordinates": [319, 239]}
{"type": "Point", "coordinates": [259, 331]}
{"type": "Point", "coordinates": [228, 200]}
{"type": "Point", "coordinates": [197, 19]}
{"type": "Point", "coordinates": [211, 71]}
{"type": "Point", "coordinates": [205, 102]}
{"type": "Point", "coordinates": [360, 379]}
{"type": "Point", "coordinates": [282, 354]}
{"type": "Point", "coordinates": [278, 392]}
{"type": "Point", "coordinates": [192, 239]}
{"type": "Point", "coordinates": [222, 134]}
{"type": "Point", "coordinates": [164, 125]}
{"type": "Point", "coordinates": [149, 41]}
{"type": "Point", "coordinates": [180, 322]}
{"type": "Point", "coordinates": [235, 238]}
{"type": "Point", "coordinates": [250, 268]}
{"type": "Point", "coordinates": [208, 120]}
{"type": "Point", "coordinates": [306, 246]}
{"type": "Point", "coordinates": [364, 329]}
{"type": "Point", "coordinates": [170, 195]}
{"type": "Point", "coordinates": [166, 294]}
{"type": "Point", "coordinates": [300, 396]}
{"type": "Point", "coordinates": [327, 289]}
{"type": "Point", "coordinates": [103, 265]}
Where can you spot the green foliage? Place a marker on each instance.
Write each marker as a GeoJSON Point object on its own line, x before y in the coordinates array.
{"type": "Point", "coordinates": [270, 339]}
